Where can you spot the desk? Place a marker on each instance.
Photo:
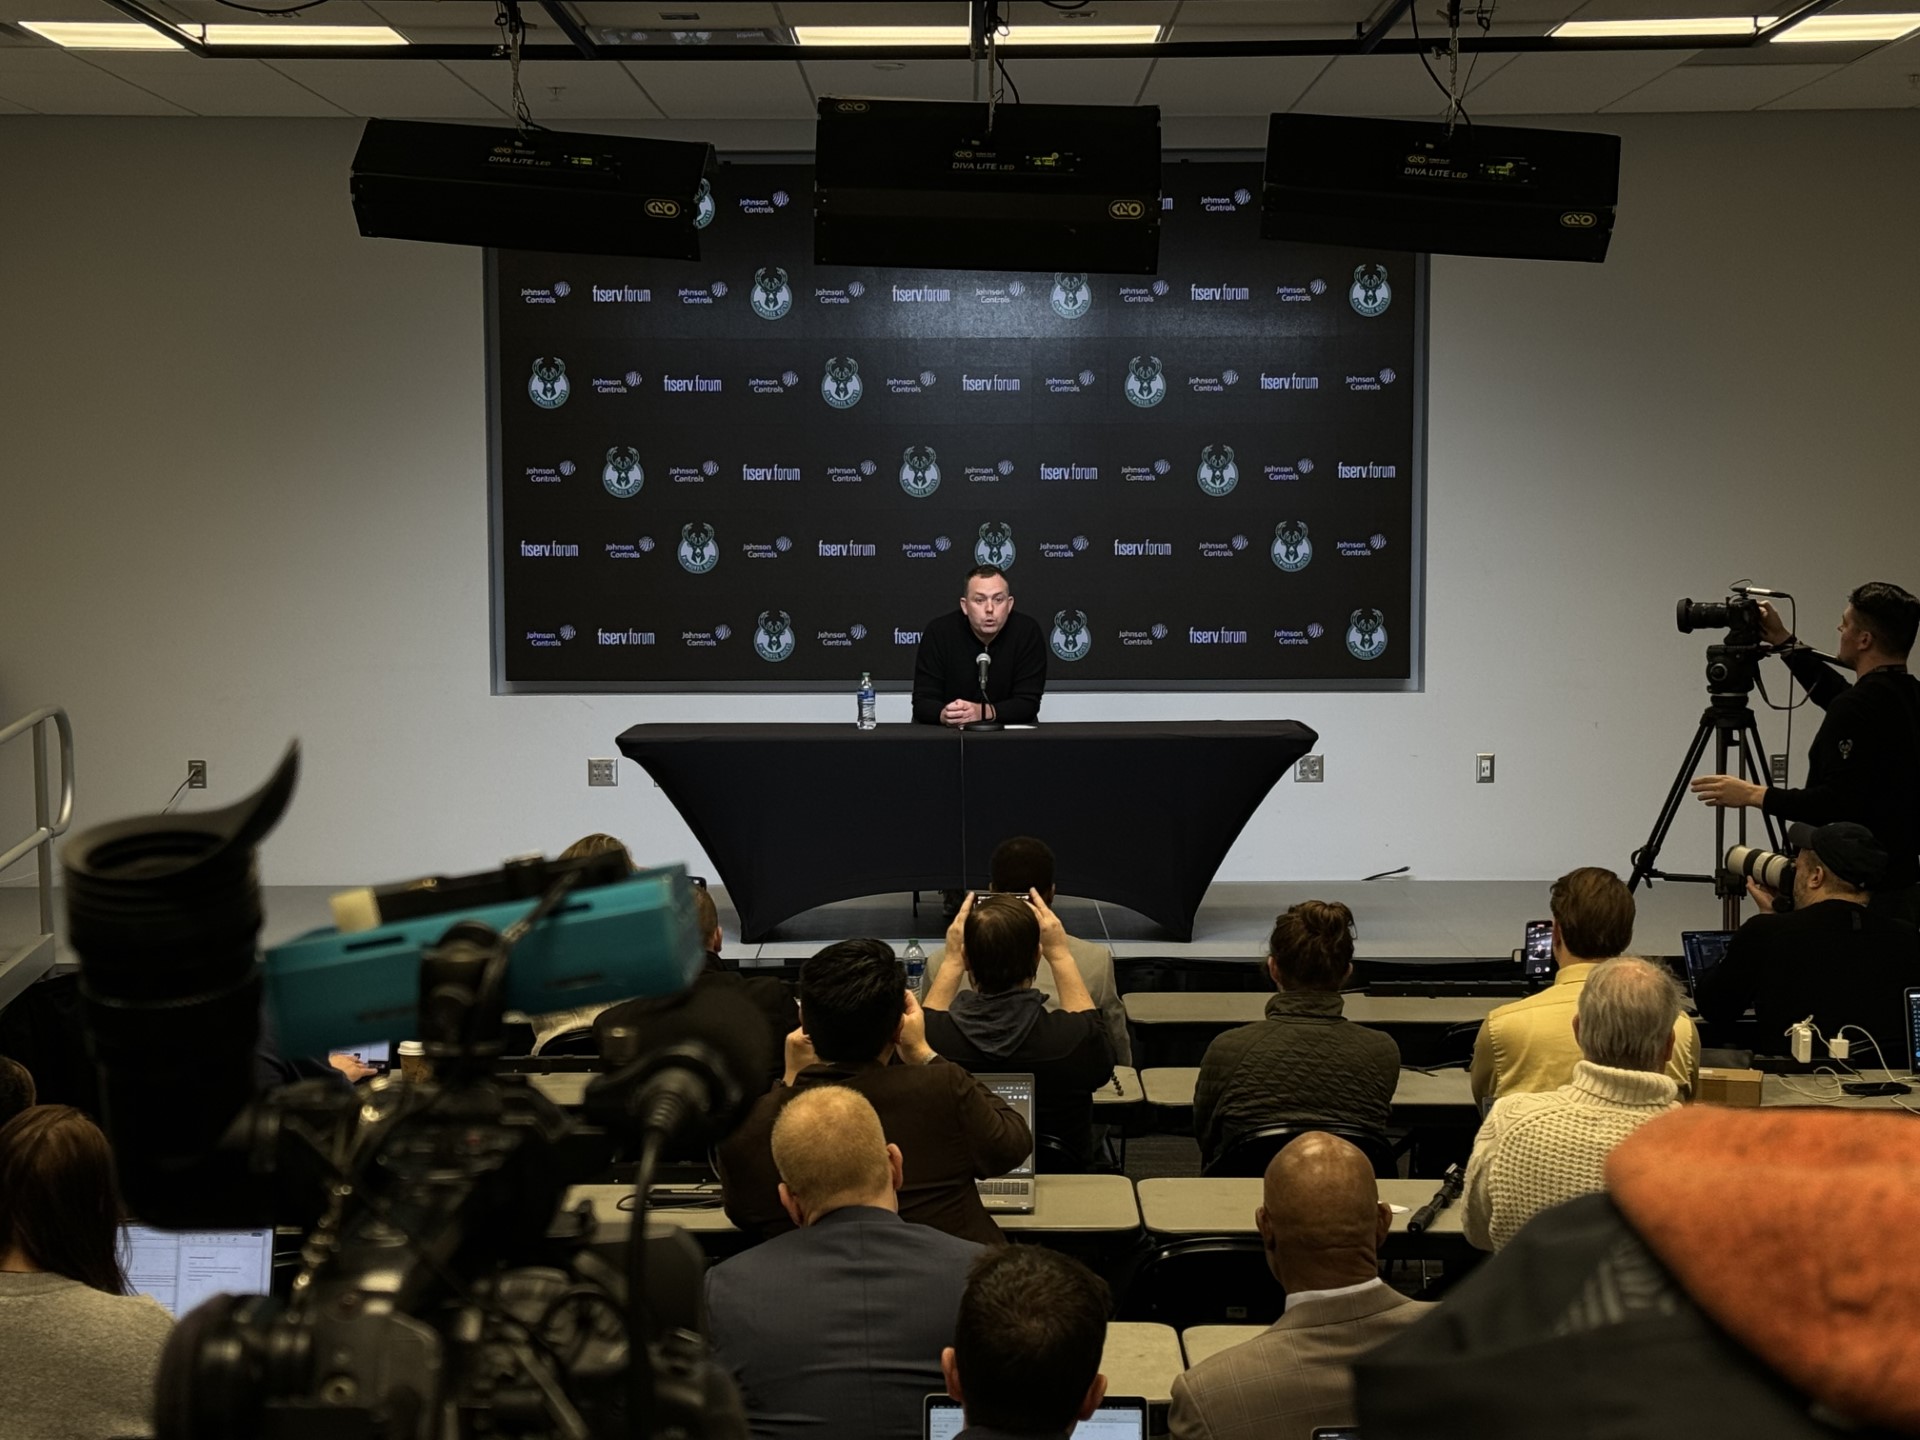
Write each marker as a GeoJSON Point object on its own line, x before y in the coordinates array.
{"type": "Point", "coordinates": [1142, 1359]}
{"type": "Point", "coordinates": [795, 816]}
{"type": "Point", "coordinates": [568, 1088]}
{"type": "Point", "coordinates": [1222, 1009]}
{"type": "Point", "coordinates": [1823, 1091]}
{"type": "Point", "coordinates": [1180, 1207]}
{"type": "Point", "coordinates": [1062, 1205]}
{"type": "Point", "coordinates": [1415, 1095]}
{"type": "Point", "coordinates": [1202, 1342]}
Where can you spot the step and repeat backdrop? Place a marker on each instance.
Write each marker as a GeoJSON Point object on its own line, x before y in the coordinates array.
{"type": "Point", "coordinates": [751, 472]}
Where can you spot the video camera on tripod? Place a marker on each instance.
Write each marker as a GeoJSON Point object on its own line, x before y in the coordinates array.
{"type": "Point", "coordinates": [1732, 664]}
{"type": "Point", "coordinates": [441, 1292]}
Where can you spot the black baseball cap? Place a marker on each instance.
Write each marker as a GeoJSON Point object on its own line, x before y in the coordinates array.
{"type": "Point", "coordinates": [1850, 852]}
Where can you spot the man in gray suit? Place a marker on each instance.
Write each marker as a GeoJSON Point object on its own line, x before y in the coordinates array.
{"type": "Point", "coordinates": [1322, 1226]}
{"type": "Point", "coordinates": [1022, 864]}
{"type": "Point", "coordinates": [835, 1329]}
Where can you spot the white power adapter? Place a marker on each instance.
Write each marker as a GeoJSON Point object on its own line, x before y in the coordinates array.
{"type": "Point", "coordinates": [1839, 1048]}
{"type": "Point", "coordinates": [1800, 1039]}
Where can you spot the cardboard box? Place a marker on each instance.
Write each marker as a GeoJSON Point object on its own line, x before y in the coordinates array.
{"type": "Point", "coordinates": [1728, 1087]}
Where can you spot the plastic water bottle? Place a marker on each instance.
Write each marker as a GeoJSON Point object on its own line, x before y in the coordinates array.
{"type": "Point", "coordinates": [916, 960]}
{"type": "Point", "coordinates": [868, 701]}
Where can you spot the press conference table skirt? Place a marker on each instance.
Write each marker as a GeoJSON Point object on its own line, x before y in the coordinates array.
{"type": "Point", "coordinates": [795, 816]}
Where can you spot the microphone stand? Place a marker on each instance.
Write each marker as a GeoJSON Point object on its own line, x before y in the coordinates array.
{"type": "Point", "coordinates": [983, 660]}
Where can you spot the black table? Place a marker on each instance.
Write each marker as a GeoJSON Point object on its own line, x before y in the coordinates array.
{"type": "Point", "coordinates": [795, 816]}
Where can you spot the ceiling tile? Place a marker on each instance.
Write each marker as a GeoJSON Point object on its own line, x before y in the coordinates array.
{"type": "Point", "coordinates": [724, 89]}
{"type": "Point", "coordinates": [394, 89]}
{"type": "Point", "coordinates": [1232, 86]}
{"type": "Point", "coordinates": [7, 107]}
{"type": "Point", "coordinates": [806, 12]}
{"type": "Point", "coordinates": [1567, 84]}
{"type": "Point", "coordinates": [914, 80]}
{"type": "Point", "coordinates": [1858, 87]}
{"type": "Point", "coordinates": [335, 12]}
{"type": "Point", "coordinates": [59, 83]}
{"type": "Point", "coordinates": [628, 15]}
{"type": "Point", "coordinates": [1716, 87]}
{"type": "Point", "coordinates": [585, 90]}
{"type": "Point", "coordinates": [1078, 82]}
{"type": "Point", "coordinates": [214, 87]}
{"type": "Point", "coordinates": [1388, 85]}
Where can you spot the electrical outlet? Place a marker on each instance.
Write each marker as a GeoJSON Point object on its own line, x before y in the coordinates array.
{"type": "Point", "coordinates": [1310, 769]}
{"type": "Point", "coordinates": [1777, 766]}
{"type": "Point", "coordinates": [1483, 769]}
{"type": "Point", "coordinates": [196, 774]}
{"type": "Point", "coordinates": [603, 772]}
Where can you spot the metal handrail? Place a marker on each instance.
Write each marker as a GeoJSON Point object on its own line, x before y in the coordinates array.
{"type": "Point", "coordinates": [21, 969]}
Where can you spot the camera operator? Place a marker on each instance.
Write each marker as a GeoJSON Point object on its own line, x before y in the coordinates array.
{"type": "Point", "coordinates": [1829, 957]}
{"type": "Point", "coordinates": [1864, 764]}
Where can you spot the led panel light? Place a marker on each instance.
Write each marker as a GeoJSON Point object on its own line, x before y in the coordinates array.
{"type": "Point", "coordinates": [904, 35]}
{"type": "Point", "coordinates": [1691, 25]}
{"type": "Point", "coordinates": [91, 35]}
{"type": "Point", "coordinates": [298, 34]}
{"type": "Point", "coordinates": [1842, 28]}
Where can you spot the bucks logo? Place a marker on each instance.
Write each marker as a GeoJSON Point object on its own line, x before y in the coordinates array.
{"type": "Point", "coordinates": [699, 551]}
{"type": "Point", "coordinates": [773, 637]}
{"type": "Point", "coordinates": [841, 387]}
{"type": "Point", "coordinates": [1145, 384]}
{"type": "Point", "coordinates": [1370, 294]}
{"type": "Point", "coordinates": [772, 296]}
{"type": "Point", "coordinates": [703, 206]}
{"type": "Point", "coordinates": [1367, 635]}
{"type": "Point", "coordinates": [1071, 298]}
{"type": "Point", "coordinates": [1291, 547]}
{"type": "Point", "coordinates": [919, 471]}
{"type": "Point", "coordinates": [548, 387]}
{"type": "Point", "coordinates": [1218, 473]}
{"type": "Point", "coordinates": [995, 546]}
{"type": "Point", "coordinates": [622, 475]}
{"type": "Point", "coordinates": [1071, 640]}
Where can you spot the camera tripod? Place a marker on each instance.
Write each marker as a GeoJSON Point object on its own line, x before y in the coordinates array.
{"type": "Point", "coordinates": [1729, 722]}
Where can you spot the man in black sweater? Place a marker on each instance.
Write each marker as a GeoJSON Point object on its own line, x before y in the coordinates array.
{"type": "Point", "coordinates": [1864, 765]}
{"type": "Point", "coordinates": [1003, 1023]}
{"type": "Point", "coordinates": [946, 671]}
{"type": "Point", "coordinates": [1830, 957]}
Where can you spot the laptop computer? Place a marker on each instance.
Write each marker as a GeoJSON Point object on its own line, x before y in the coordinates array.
{"type": "Point", "coordinates": [376, 1055]}
{"type": "Point", "coordinates": [1702, 951]}
{"type": "Point", "coordinates": [1012, 1193]}
{"type": "Point", "coordinates": [181, 1268]}
{"type": "Point", "coordinates": [1120, 1417]}
{"type": "Point", "coordinates": [1913, 1029]}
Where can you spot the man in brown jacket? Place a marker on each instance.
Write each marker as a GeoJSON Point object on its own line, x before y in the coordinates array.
{"type": "Point", "coordinates": [861, 1027]}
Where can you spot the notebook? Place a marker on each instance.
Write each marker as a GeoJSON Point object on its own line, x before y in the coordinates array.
{"type": "Point", "coordinates": [1703, 949]}
{"type": "Point", "coordinates": [1012, 1193]}
{"type": "Point", "coordinates": [1120, 1417]}
{"type": "Point", "coordinates": [181, 1268]}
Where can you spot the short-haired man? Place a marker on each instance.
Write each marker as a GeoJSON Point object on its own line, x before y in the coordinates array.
{"type": "Point", "coordinates": [1000, 942]}
{"type": "Point", "coordinates": [1864, 764]}
{"type": "Point", "coordinates": [836, 1328]}
{"type": "Point", "coordinates": [946, 670]}
{"type": "Point", "coordinates": [1322, 1225]}
{"type": "Point", "coordinates": [1022, 864]}
{"type": "Point", "coordinates": [1529, 1045]}
{"type": "Point", "coordinates": [861, 1027]}
{"type": "Point", "coordinates": [1831, 957]}
{"type": "Point", "coordinates": [1025, 1358]}
{"type": "Point", "coordinates": [1536, 1151]}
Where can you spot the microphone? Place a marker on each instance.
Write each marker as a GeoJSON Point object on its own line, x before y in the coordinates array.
{"type": "Point", "coordinates": [1757, 590]}
{"type": "Point", "coordinates": [983, 660]}
{"type": "Point", "coordinates": [1451, 1184]}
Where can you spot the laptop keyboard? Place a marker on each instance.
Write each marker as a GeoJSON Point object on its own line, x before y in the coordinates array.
{"type": "Point", "coordinates": [1003, 1187]}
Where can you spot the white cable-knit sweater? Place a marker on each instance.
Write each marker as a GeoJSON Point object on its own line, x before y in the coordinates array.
{"type": "Point", "coordinates": [1536, 1151]}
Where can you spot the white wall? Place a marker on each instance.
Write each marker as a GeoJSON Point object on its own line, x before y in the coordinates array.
{"type": "Point", "coordinates": [243, 497]}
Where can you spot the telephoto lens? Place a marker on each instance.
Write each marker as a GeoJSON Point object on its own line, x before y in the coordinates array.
{"type": "Point", "coordinates": [1692, 615]}
{"type": "Point", "coordinates": [164, 913]}
{"type": "Point", "coordinates": [1769, 868]}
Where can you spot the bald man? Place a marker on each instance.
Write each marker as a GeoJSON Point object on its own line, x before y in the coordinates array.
{"type": "Point", "coordinates": [835, 1329]}
{"type": "Point", "coordinates": [1321, 1226]}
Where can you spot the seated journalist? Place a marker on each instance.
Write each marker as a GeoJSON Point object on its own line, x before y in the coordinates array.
{"type": "Point", "coordinates": [1025, 1358]}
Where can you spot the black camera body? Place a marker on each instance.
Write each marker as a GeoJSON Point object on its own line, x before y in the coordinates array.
{"type": "Point", "coordinates": [1732, 664]}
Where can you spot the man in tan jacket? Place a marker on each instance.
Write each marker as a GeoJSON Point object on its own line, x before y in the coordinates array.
{"type": "Point", "coordinates": [1322, 1226]}
{"type": "Point", "coordinates": [1529, 1045]}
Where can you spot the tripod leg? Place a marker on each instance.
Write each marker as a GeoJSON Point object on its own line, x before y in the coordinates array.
{"type": "Point", "coordinates": [1750, 737]}
{"type": "Point", "coordinates": [1645, 857]}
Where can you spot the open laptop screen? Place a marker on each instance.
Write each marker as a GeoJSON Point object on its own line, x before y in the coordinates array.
{"type": "Point", "coordinates": [1120, 1417]}
{"type": "Point", "coordinates": [1703, 949]}
{"type": "Point", "coordinates": [1017, 1091]}
{"type": "Point", "coordinates": [182, 1268]}
{"type": "Point", "coordinates": [1913, 1030]}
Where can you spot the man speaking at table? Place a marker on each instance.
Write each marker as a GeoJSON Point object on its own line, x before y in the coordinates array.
{"type": "Point", "coordinates": [947, 670]}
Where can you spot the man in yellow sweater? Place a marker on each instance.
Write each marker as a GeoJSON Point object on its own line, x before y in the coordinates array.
{"type": "Point", "coordinates": [1529, 1045]}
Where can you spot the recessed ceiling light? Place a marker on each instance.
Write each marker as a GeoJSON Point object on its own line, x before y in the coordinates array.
{"type": "Point", "coordinates": [90, 35]}
{"type": "Point", "coordinates": [959, 35]}
{"type": "Point", "coordinates": [1832, 28]}
{"type": "Point", "coordinates": [297, 34]}
{"type": "Point", "coordinates": [1693, 25]}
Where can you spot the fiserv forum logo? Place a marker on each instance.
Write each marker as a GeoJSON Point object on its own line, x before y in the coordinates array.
{"type": "Point", "coordinates": [772, 295]}
{"type": "Point", "coordinates": [1367, 635]}
{"type": "Point", "coordinates": [1146, 386]}
{"type": "Point", "coordinates": [548, 388]}
{"type": "Point", "coordinates": [1292, 550]}
{"type": "Point", "coordinates": [699, 550]}
{"type": "Point", "coordinates": [919, 471]}
{"type": "Point", "coordinates": [622, 474]}
{"type": "Point", "coordinates": [995, 546]}
{"type": "Point", "coordinates": [1071, 638]}
{"type": "Point", "coordinates": [1070, 299]}
{"type": "Point", "coordinates": [841, 387]}
{"type": "Point", "coordinates": [773, 635]}
{"type": "Point", "coordinates": [1370, 294]}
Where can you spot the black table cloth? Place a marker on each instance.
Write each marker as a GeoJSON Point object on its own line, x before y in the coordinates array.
{"type": "Point", "coordinates": [794, 816]}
